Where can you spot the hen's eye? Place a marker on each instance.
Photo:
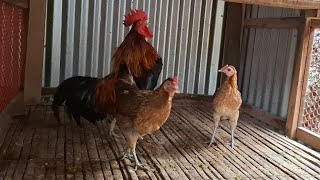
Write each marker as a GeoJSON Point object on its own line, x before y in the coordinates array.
{"type": "Point", "coordinates": [229, 69]}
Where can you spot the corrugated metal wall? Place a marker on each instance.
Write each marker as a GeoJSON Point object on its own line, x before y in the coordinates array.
{"type": "Point", "coordinates": [83, 34]}
{"type": "Point", "coordinates": [267, 66]}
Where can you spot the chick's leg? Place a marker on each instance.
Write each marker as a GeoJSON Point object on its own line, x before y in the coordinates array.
{"type": "Point", "coordinates": [233, 125]}
{"type": "Point", "coordinates": [216, 120]}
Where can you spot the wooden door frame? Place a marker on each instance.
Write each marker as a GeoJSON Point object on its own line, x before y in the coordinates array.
{"type": "Point", "coordinates": [35, 52]}
{"type": "Point", "coordinates": [299, 85]}
{"type": "Point", "coordinates": [304, 134]}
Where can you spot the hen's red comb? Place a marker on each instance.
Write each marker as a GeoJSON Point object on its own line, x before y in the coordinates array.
{"type": "Point", "coordinates": [175, 79]}
{"type": "Point", "coordinates": [134, 16]}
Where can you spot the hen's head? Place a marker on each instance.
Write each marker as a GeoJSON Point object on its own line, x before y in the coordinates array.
{"type": "Point", "coordinates": [138, 19]}
{"type": "Point", "coordinates": [170, 85]}
{"type": "Point", "coordinates": [228, 70]}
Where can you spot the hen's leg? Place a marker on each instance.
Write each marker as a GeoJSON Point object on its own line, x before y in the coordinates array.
{"type": "Point", "coordinates": [136, 161]}
{"type": "Point", "coordinates": [112, 125]}
{"type": "Point", "coordinates": [233, 125]}
{"type": "Point", "coordinates": [128, 154]}
{"type": "Point", "coordinates": [216, 120]}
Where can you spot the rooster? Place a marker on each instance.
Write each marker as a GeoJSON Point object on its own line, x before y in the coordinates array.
{"type": "Point", "coordinates": [140, 112]}
{"type": "Point", "coordinates": [137, 54]}
{"type": "Point", "coordinates": [134, 54]}
{"type": "Point", "coordinates": [226, 102]}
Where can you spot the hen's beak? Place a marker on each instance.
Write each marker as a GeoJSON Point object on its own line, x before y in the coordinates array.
{"type": "Point", "coordinates": [220, 70]}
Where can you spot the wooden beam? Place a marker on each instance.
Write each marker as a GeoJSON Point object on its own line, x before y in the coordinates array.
{"type": "Point", "coordinates": [20, 3]}
{"type": "Point", "coordinates": [297, 82]}
{"type": "Point", "coordinates": [309, 137]}
{"type": "Point", "coordinates": [35, 51]}
{"type": "Point", "coordinates": [288, 23]}
{"type": "Point", "coordinates": [266, 117]}
{"type": "Point", "coordinates": [295, 4]}
{"type": "Point", "coordinates": [315, 22]}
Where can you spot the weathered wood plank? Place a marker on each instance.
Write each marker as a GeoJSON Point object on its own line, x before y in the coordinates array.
{"type": "Point", "coordinates": [295, 4]}
{"type": "Point", "coordinates": [86, 165]}
{"type": "Point", "coordinates": [113, 163]}
{"type": "Point", "coordinates": [272, 23]}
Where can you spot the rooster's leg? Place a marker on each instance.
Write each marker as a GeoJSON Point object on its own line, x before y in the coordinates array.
{"type": "Point", "coordinates": [113, 124]}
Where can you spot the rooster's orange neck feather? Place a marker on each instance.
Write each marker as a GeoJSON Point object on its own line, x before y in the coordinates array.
{"type": "Point", "coordinates": [139, 56]}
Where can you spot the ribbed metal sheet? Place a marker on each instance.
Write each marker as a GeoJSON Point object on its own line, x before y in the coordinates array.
{"type": "Point", "coordinates": [266, 70]}
{"type": "Point", "coordinates": [85, 34]}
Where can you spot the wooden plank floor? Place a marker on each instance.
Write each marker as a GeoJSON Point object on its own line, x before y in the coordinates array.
{"type": "Point", "coordinates": [35, 147]}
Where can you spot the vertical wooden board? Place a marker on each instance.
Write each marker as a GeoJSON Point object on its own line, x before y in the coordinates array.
{"type": "Point", "coordinates": [35, 50]}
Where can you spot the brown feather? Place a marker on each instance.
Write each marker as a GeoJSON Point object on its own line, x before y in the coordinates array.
{"type": "Point", "coordinates": [136, 53]}
{"type": "Point", "coordinates": [105, 95]}
{"type": "Point", "coordinates": [227, 99]}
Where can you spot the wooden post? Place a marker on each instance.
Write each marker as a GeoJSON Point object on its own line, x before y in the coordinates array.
{"type": "Point", "coordinates": [35, 51]}
{"type": "Point", "coordinates": [233, 32]}
{"type": "Point", "coordinates": [297, 82]}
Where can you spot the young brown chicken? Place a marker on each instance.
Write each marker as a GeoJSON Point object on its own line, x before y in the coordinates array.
{"type": "Point", "coordinates": [141, 112]}
{"type": "Point", "coordinates": [226, 102]}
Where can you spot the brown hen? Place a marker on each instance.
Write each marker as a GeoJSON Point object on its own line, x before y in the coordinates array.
{"type": "Point", "coordinates": [141, 112]}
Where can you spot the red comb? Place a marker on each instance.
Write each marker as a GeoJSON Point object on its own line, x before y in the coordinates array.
{"type": "Point", "coordinates": [134, 16]}
{"type": "Point", "coordinates": [175, 79]}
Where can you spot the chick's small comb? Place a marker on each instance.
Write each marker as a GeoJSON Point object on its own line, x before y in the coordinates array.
{"type": "Point", "coordinates": [134, 16]}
